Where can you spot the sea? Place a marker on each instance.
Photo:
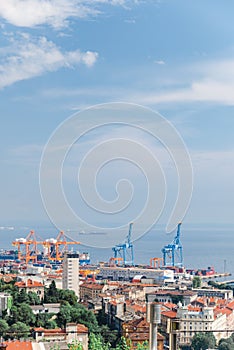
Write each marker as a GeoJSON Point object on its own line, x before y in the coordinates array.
{"type": "Point", "coordinates": [203, 245]}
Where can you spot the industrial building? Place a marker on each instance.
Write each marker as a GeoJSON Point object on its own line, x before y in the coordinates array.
{"type": "Point", "coordinates": [116, 273]}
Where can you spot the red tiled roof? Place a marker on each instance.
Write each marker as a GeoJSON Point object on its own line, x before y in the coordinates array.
{"type": "Point", "coordinates": [28, 284]}
{"type": "Point", "coordinates": [82, 328]}
{"type": "Point", "coordinates": [169, 314]}
{"type": "Point", "coordinates": [92, 286]}
{"type": "Point", "coordinates": [19, 345]}
{"type": "Point", "coordinates": [39, 329]}
{"type": "Point", "coordinates": [200, 300]}
{"type": "Point", "coordinates": [194, 308]}
{"type": "Point", "coordinates": [224, 311]}
{"type": "Point", "coordinates": [140, 308]}
{"type": "Point", "coordinates": [231, 305]}
{"type": "Point", "coordinates": [221, 301]}
{"type": "Point", "coordinates": [170, 305]}
{"type": "Point", "coordinates": [175, 292]}
{"type": "Point", "coordinates": [49, 331]}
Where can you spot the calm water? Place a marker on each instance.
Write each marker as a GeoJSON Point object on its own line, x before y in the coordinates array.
{"type": "Point", "coordinates": [202, 246]}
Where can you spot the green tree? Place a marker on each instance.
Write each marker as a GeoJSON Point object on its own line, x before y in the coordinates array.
{"type": "Point", "coordinates": [42, 319]}
{"type": "Point", "coordinates": [75, 346]}
{"type": "Point", "coordinates": [96, 342]}
{"type": "Point", "coordinates": [203, 341]}
{"type": "Point", "coordinates": [197, 282]}
{"type": "Point", "coordinates": [3, 328]}
{"type": "Point", "coordinates": [50, 324]}
{"type": "Point", "coordinates": [108, 335]}
{"type": "Point", "coordinates": [64, 315]}
{"type": "Point", "coordinates": [51, 294]}
{"type": "Point", "coordinates": [33, 298]}
{"type": "Point", "coordinates": [80, 314]}
{"type": "Point", "coordinates": [226, 344]}
{"type": "Point", "coordinates": [67, 295]}
{"type": "Point", "coordinates": [21, 297]}
{"type": "Point", "coordinates": [122, 345]}
{"type": "Point", "coordinates": [22, 313]}
{"type": "Point", "coordinates": [143, 346]}
{"type": "Point", "coordinates": [19, 330]}
{"type": "Point", "coordinates": [26, 315]}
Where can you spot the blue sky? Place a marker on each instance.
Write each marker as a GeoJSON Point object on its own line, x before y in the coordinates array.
{"type": "Point", "coordinates": [176, 57]}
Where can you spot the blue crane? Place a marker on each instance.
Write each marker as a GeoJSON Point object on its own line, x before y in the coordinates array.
{"type": "Point", "coordinates": [173, 253]}
{"type": "Point", "coordinates": [125, 250]}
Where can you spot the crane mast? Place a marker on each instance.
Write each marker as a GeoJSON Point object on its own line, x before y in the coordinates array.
{"type": "Point", "coordinates": [173, 252]}
{"type": "Point", "coordinates": [124, 252]}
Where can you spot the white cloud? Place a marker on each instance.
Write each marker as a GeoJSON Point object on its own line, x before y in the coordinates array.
{"type": "Point", "coordinates": [204, 82]}
{"type": "Point", "coordinates": [130, 21]}
{"type": "Point", "coordinates": [31, 13]}
{"type": "Point", "coordinates": [28, 58]}
{"type": "Point", "coordinates": [160, 62]}
{"type": "Point", "coordinates": [206, 90]}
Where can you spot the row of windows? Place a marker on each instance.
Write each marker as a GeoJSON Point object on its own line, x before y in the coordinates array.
{"type": "Point", "coordinates": [195, 328]}
{"type": "Point", "coordinates": [198, 316]}
{"type": "Point", "coordinates": [195, 323]}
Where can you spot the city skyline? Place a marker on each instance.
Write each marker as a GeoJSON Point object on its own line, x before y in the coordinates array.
{"type": "Point", "coordinates": [175, 57]}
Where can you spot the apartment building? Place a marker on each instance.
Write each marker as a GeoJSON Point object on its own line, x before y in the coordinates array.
{"type": "Point", "coordinates": [5, 303]}
{"type": "Point", "coordinates": [31, 286]}
{"type": "Point", "coordinates": [70, 278]}
{"type": "Point", "coordinates": [90, 291]}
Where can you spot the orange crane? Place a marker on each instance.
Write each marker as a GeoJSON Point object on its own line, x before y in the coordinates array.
{"type": "Point", "coordinates": [156, 262]}
{"type": "Point", "coordinates": [116, 262]}
{"type": "Point", "coordinates": [27, 247]}
{"type": "Point", "coordinates": [54, 251]}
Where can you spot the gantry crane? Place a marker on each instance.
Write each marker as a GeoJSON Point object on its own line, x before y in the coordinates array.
{"type": "Point", "coordinates": [156, 262]}
{"type": "Point", "coordinates": [54, 252]}
{"type": "Point", "coordinates": [173, 253]}
{"type": "Point", "coordinates": [116, 261]}
{"type": "Point", "coordinates": [27, 247]}
{"type": "Point", "coordinates": [125, 250]}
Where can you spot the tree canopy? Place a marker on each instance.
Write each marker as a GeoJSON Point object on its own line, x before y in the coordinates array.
{"type": "Point", "coordinates": [203, 341]}
{"type": "Point", "coordinates": [226, 343]}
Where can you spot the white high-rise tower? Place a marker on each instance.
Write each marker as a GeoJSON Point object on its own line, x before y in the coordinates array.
{"type": "Point", "coordinates": [71, 272]}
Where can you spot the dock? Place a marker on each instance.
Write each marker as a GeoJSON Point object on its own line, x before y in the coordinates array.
{"type": "Point", "coordinates": [216, 275]}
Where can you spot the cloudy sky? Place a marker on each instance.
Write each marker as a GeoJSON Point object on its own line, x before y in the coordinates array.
{"type": "Point", "coordinates": [176, 57]}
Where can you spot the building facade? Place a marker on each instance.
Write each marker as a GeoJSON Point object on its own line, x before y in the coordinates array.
{"type": "Point", "coordinates": [90, 291]}
{"type": "Point", "coordinates": [31, 286]}
{"type": "Point", "coordinates": [70, 279]}
{"type": "Point", "coordinates": [5, 303]}
{"type": "Point", "coordinates": [128, 274]}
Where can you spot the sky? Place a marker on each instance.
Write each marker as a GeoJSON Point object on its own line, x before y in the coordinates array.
{"type": "Point", "coordinates": [59, 57]}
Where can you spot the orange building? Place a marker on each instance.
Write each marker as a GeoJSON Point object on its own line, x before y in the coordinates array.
{"type": "Point", "coordinates": [137, 332]}
{"type": "Point", "coordinates": [31, 286]}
